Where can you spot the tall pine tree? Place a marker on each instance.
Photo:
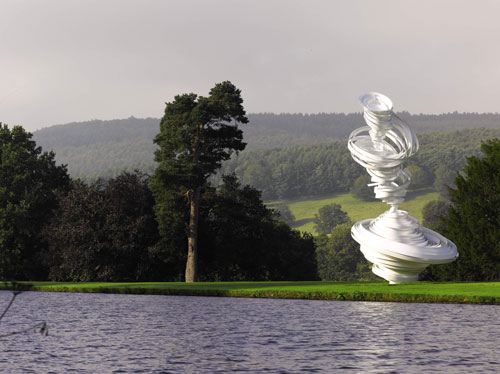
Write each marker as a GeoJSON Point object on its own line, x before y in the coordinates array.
{"type": "Point", "coordinates": [196, 134]}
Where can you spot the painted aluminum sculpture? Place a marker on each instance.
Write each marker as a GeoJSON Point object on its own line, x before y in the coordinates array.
{"type": "Point", "coordinates": [394, 242]}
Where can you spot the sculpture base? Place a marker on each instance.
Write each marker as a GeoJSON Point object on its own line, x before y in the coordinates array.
{"type": "Point", "coordinates": [399, 248]}
{"type": "Point", "coordinates": [396, 275]}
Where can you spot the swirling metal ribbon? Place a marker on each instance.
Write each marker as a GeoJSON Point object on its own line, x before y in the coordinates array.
{"type": "Point", "coordinates": [395, 243]}
{"type": "Point", "coordinates": [389, 144]}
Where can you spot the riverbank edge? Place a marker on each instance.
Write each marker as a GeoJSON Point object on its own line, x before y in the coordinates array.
{"type": "Point", "coordinates": [275, 293]}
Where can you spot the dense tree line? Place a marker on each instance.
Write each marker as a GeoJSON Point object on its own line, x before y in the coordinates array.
{"type": "Point", "coordinates": [107, 231]}
{"type": "Point", "coordinates": [105, 148]}
{"type": "Point", "coordinates": [121, 230]}
{"type": "Point", "coordinates": [58, 229]}
{"type": "Point", "coordinates": [118, 229]}
{"type": "Point", "coordinates": [298, 171]}
{"type": "Point", "coordinates": [328, 168]}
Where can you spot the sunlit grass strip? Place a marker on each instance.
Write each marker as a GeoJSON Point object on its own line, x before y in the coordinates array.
{"type": "Point", "coordinates": [304, 210]}
{"type": "Point", "coordinates": [424, 292]}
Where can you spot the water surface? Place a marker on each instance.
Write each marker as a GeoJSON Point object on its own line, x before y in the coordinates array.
{"type": "Point", "coordinates": [103, 333]}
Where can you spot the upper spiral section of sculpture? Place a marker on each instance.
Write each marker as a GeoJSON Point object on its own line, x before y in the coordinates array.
{"type": "Point", "coordinates": [382, 147]}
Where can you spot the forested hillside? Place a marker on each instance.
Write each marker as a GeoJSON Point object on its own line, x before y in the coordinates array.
{"type": "Point", "coordinates": [102, 148]}
{"type": "Point", "coordinates": [328, 168]}
{"type": "Point", "coordinates": [267, 130]}
{"type": "Point", "coordinates": [105, 148]}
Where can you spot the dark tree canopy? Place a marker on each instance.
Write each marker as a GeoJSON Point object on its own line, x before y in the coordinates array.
{"type": "Point", "coordinates": [242, 240]}
{"type": "Point", "coordinates": [328, 217]}
{"type": "Point", "coordinates": [29, 179]}
{"type": "Point", "coordinates": [103, 232]}
{"type": "Point", "coordinates": [196, 134]}
{"type": "Point", "coordinates": [473, 220]}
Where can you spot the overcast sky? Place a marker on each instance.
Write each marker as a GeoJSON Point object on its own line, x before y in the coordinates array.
{"type": "Point", "coordinates": [69, 60]}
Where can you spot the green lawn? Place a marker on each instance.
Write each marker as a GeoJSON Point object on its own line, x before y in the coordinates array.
{"type": "Point", "coordinates": [304, 210]}
{"type": "Point", "coordinates": [477, 293]}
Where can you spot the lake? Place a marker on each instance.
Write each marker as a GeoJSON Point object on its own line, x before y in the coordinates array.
{"type": "Point", "coordinates": [105, 333]}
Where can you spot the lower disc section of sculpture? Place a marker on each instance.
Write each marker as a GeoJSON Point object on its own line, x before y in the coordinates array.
{"type": "Point", "coordinates": [399, 248]}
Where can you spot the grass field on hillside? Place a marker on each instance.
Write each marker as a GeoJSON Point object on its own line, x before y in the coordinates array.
{"type": "Point", "coordinates": [475, 293]}
{"type": "Point", "coordinates": [304, 210]}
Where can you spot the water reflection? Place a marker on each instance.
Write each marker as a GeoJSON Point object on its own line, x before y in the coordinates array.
{"type": "Point", "coordinates": [93, 333]}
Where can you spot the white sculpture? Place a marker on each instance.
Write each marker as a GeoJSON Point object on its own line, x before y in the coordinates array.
{"type": "Point", "coordinates": [394, 242]}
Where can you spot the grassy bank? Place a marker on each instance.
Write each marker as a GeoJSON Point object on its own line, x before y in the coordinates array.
{"type": "Point", "coordinates": [304, 210]}
{"type": "Point", "coordinates": [470, 293]}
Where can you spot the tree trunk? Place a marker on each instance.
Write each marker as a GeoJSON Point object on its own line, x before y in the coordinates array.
{"type": "Point", "coordinates": [192, 258]}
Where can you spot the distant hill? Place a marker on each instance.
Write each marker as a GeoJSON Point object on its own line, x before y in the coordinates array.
{"type": "Point", "coordinates": [105, 148]}
{"type": "Point", "coordinates": [102, 148]}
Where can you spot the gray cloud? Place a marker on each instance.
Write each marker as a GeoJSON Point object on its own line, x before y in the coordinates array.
{"type": "Point", "coordinates": [76, 60]}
